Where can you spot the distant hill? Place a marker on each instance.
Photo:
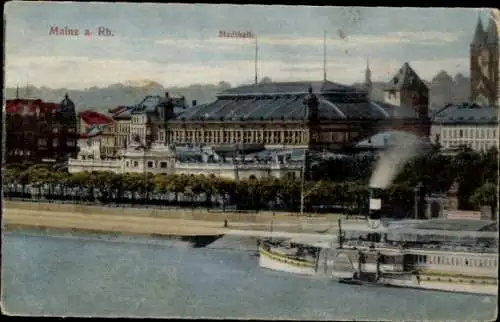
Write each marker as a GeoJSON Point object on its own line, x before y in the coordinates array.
{"type": "Point", "coordinates": [444, 89]}
{"type": "Point", "coordinates": [128, 93]}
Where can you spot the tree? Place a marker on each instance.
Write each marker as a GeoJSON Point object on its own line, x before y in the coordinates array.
{"type": "Point", "coordinates": [224, 187]}
{"type": "Point", "coordinates": [340, 182]}
{"type": "Point", "coordinates": [485, 195]}
{"type": "Point", "coordinates": [269, 190]}
{"type": "Point", "coordinates": [9, 176]}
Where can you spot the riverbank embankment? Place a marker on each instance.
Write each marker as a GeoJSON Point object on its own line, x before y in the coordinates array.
{"type": "Point", "coordinates": [154, 221]}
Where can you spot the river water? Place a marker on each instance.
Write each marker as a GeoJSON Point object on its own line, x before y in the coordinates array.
{"type": "Point", "coordinates": [68, 276]}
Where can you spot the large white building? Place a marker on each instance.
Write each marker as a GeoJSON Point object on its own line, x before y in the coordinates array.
{"type": "Point", "coordinates": [159, 158]}
{"type": "Point", "coordinates": [466, 124]}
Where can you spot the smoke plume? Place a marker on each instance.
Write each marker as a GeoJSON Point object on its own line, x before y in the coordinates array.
{"type": "Point", "coordinates": [392, 160]}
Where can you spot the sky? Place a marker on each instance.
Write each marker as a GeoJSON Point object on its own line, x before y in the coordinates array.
{"type": "Point", "coordinates": [178, 44]}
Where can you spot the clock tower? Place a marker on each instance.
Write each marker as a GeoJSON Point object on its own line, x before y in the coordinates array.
{"type": "Point", "coordinates": [484, 60]}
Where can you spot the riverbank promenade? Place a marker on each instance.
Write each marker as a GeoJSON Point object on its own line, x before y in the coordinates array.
{"type": "Point", "coordinates": [159, 222]}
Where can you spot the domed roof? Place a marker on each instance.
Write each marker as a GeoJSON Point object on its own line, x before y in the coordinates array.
{"type": "Point", "coordinates": [67, 104]}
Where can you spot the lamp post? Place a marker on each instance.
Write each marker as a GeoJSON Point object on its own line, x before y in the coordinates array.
{"type": "Point", "coordinates": [495, 14]}
{"type": "Point", "coordinates": [302, 183]}
{"type": "Point", "coordinates": [417, 206]}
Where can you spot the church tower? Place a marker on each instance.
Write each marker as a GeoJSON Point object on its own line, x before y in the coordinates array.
{"type": "Point", "coordinates": [484, 60]}
{"type": "Point", "coordinates": [406, 88]}
{"type": "Point", "coordinates": [368, 78]}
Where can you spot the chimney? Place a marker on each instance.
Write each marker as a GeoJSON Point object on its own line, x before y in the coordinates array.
{"type": "Point", "coordinates": [375, 202]}
{"type": "Point", "coordinates": [193, 103]}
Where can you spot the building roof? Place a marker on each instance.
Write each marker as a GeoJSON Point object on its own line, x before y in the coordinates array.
{"type": "Point", "coordinates": [485, 36]}
{"type": "Point", "coordinates": [479, 34]}
{"type": "Point", "coordinates": [93, 118]}
{"type": "Point", "coordinates": [406, 78]}
{"type": "Point", "coordinates": [391, 138]}
{"type": "Point", "coordinates": [466, 113]}
{"type": "Point", "coordinates": [492, 33]}
{"type": "Point", "coordinates": [67, 104]}
{"type": "Point", "coordinates": [150, 105]}
{"type": "Point", "coordinates": [29, 106]}
{"type": "Point", "coordinates": [285, 101]}
{"type": "Point", "coordinates": [91, 131]}
{"type": "Point", "coordinates": [275, 88]}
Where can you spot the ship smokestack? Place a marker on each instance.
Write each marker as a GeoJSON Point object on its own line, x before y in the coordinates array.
{"type": "Point", "coordinates": [375, 203]}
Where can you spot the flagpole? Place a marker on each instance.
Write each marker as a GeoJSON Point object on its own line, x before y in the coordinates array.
{"type": "Point", "coordinates": [324, 55]}
{"type": "Point", "coordinates": [256, 58]}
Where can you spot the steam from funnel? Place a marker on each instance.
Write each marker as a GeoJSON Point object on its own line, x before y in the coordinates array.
{"type": "Point", "coordinates": [392, 160]}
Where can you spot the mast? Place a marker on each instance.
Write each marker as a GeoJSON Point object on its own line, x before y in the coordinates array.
{"type": "Point", "coordinates": [324, 56]}
{"type": "Point", "coordinates": [302, 182]}
{"type": "Point", "coordinates": [17, 91]}
{"type": "Point", "coordinates": [27, 91]}
{"type": "Point", "coordinates": [340, 239]}
{"type": "Point", "coordinates": [256, 58]}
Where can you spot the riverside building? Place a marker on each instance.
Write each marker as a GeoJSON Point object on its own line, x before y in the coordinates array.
{"type": "Point", "coordinates": [160, 158]}
{"type": "Point", "coordinates": [474, 124]}
{"type": "Point", "coordinates": [321, 115]}
{"type": "Point", "coordinates": [466, 124]}
{"type": "Point", "coordinates": [38, 131]}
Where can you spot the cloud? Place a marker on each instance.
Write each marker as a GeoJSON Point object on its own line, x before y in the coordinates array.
{"type": "Point", "coordinates": [391, 38]}
{"type": "Point", "coordinates": [82, 72]}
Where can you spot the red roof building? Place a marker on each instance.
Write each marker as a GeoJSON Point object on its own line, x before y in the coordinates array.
{"type": "Point", "coordinates": [97, 126]}
{"type": "Point", "coordinates": [94, 118]}
{"type": "Point", "coordinates": [38, 130]}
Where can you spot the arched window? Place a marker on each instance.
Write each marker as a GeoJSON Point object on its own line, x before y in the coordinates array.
{"type": "Point", "coordinates": [466, 262]}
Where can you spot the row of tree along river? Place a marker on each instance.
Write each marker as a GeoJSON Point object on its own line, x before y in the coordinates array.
{"type": "Point", "coordinates": [332, 185]}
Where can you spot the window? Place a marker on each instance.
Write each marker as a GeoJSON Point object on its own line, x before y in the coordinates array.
{"type": "Point", "coordinates": [150, 164]}
{"type": "Point", "coordinates": [55, 143]}
{"type": "Point", "coordinates": [127, 164]}
{"type": "Point", "coordinates": [136, 164]}
{"type": "Point", "coordinates": [71, 143]}
{"type": "Point", "coordinates": [163, 165]}
{"type": "Point", "coordinates": [461, 133]}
